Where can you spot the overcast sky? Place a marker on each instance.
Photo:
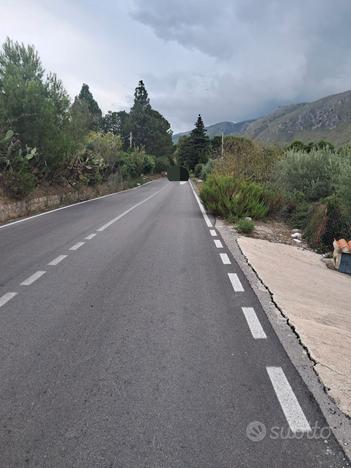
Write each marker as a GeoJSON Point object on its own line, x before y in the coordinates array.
{"type": "Point", "coordinates": [226, 59]}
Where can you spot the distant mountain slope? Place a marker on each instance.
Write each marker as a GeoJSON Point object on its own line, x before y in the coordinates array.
{"type": "Point", "coordinates": [227, 128]}
{"type": "Point", "coordinates": [328, 118]}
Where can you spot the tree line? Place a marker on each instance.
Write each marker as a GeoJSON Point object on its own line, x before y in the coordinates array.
{"type": "Point", "coordinates": [45, 138]}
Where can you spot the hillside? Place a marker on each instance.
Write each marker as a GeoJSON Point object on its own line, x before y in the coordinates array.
{"type": "Point", "coordinates": [227, 128]}
{"type": "Point", "coordinates": [328, 118]}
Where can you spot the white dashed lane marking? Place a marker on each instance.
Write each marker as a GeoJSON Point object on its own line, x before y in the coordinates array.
{"type": "Point", "coordinates": [234, 279]}
{"type": "Point", "coordinates": [253, 323]}
{"type": "Point", "coordinates": [7, 297]}
{"type": "Point", "coordinates": [105, 226]}
{"type": "Point", "coordinates": [288, 401]}
{"type": "Point", "coordinates": [31, 279]}
{"type": "Point", "coordinates": [286, 397]}
{"type": "Point", "coordinates": [57, 260]}
{"type": "Point", "coordinates": [77, 246]}
{"type": "Point", "coordinates": [225, 259]}
{"type": "Point", "coordinates": [90, 236]}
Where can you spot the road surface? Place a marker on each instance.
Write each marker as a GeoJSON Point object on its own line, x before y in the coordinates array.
{"type": "Point", "coordinates": [130, 338]}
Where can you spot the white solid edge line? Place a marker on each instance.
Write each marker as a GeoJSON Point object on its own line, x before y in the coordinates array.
{"type": "Point", "coordinates": [254, 323]}
{"type": "Point", "coordinates": [91, 236]}
{"type": "Point", "coordinates": [218, 243]}
{"type": "Point", "coordinates": [213, 233]}
{"type": "Point", "coordinates": [105, 226]}
{"type": "Point", "coordinates": [57, 260]}
{"type": "Point", "coordinates": [288, 401]}
{"type": "Point", "coordinates": [77, 246]}
{"type": "Point", "coordinates": [7, 297]}
{"type": "Point", "coordinates": [202, 209]}
{"type": "Point", "coordinates": [30, 280]}
{"type": "Point", "coordinates": [225, 259]}
{"type": "Point", "coordinates": [73, 204]}
{"type": "Point", "coordinates": [234, 279]}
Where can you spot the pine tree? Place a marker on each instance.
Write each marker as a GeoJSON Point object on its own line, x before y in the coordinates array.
{"type": "Point", "coordinates": [86, 96]}
{"type": "Point", "coordinates": [195, 149]}
{"type": "Point", "coordinates": [141, 98]}
{"type": "Point", "coordinates": [151, 131]}
{"type": "Point", "coordinates": [200, 141]}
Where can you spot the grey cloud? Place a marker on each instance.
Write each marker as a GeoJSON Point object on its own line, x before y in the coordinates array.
{"type": "Point", "coordinates": [260, 53]}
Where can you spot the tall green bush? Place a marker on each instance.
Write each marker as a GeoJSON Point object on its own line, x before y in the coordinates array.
{"type": "Point", "coordinates": [233, 198]}
{"type": "Point", "coordinates": [247, 160]}
{"type": "Point", "coordinates": [313, 174]}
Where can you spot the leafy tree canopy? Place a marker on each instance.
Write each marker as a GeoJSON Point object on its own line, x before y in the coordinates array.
{"type": "Point", "coordinates": [34, 106]}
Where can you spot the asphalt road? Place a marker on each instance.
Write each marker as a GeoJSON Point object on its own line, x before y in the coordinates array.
{"type": "Point", "coordinates": [137, 349]}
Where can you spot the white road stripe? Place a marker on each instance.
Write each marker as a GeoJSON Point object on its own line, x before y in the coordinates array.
{"type": "Point", "coordinates": [90, 236]}
{"type": "Point", "coordinates": [218, 243]}
{"type": "Point", "coordinates": [105, 226]}
{"type": "Point", "coordinates": [72, 205]}
{"type": "Point", "coordinates": [237, 286]}
{"type": "Point", "coordinates": [30, 280]}
{"type": "Point", "coordinates": [202, 209]}
{"type": "Point", "coordinates": [7, 297]}
{"type": "Point", "coordinates": [57, 260]}
{"type": "Point", "coordinates": [77, 246]}
{"type": "Point", "coordinates": [225, 259]}
{"type": "Point", "coordinates": [182, 182]}
{"type": "Point", "coordinates": [288, 401]}
{"type": "Point", "coordinates": [253, 323]}
{"type": "Point", "coordinates": [213, 233]}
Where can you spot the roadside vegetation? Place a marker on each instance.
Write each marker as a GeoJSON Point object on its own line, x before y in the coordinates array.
{"type": "Point", "coordinates": [308, 186]}
{"type": "Point", "coordinates": [45, 139]}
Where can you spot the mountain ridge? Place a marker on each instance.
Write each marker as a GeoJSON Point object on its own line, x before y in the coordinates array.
{"type": "Point", "coordinates": [327, 118]}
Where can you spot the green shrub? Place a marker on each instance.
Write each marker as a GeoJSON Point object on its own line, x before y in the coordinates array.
{"type": "Point", "coordinates": [161, 165]}
{"type": "Point", "coordinates": [312, 174]}
{"type": "Point", "coordinates": [16, 175]}
{"type": "Point", "coordinates": [149, 164]}
{"type": "Point", "coordinates": [198, 170]}
{"type": "Point", "coordinates": [344, 186]}
{"type": "Point", "coordinates": [245, 226]}
{"type": "Point", "coordinates": [18, 184]}
{"type": "Point", "coordinates": [299, 216]}
{"type": "Point", "coordinates": [248, 160]}
{"type": "Point", "coordinates": [207, 169]}
{"type": "Point", "coordinates": [132, 165]}
{"type": "Point", "coordinates": [228, 196]}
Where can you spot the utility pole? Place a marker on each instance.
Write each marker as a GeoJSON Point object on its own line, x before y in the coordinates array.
{"type": "Point", "coordinates": [130, 139]}
{"type": "Point", "coordinates": [222, 148]}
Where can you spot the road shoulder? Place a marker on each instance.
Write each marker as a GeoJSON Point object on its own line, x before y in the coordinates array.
{"type": "Point", "coordinates": [298, 354]}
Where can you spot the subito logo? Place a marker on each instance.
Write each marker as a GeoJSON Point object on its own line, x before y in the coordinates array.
{"type": "Point", "coordinates": [256, 431]}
